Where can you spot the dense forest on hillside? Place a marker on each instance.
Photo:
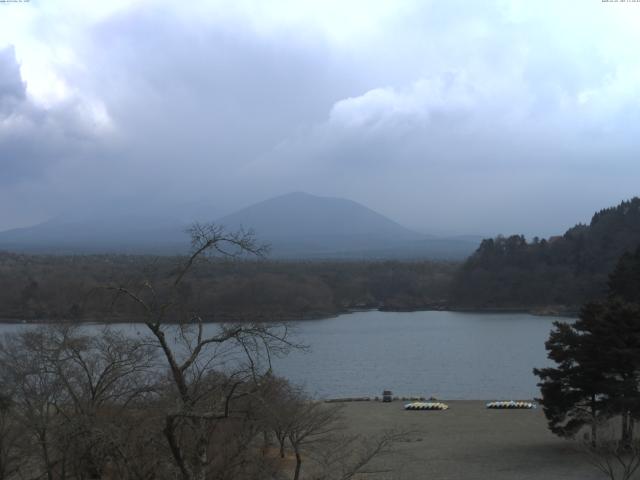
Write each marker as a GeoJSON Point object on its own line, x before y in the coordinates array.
{"type": "Point", "coordinates": [561, 272]}
{"type": "Point", "coordinates": [42, 287]}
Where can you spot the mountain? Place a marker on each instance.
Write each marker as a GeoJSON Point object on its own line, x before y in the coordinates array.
{"type": "Point", "coordinates": [128, 235]}
{"type": "Point", "coordinates": [115, 228]}
{"type": "Point", "coordinates": [302, 224]}
{"type": "Point", "coordinates": [297, 225]}
{"type": "Point", "coordinates": [565, 271]}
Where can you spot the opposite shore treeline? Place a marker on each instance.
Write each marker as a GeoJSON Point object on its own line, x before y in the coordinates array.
{"type": "Point", "coordinates": [545, 276]}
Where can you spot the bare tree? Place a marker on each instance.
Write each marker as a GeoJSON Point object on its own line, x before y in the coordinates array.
{"type": "Point", "coordinates": [70, 392]}
{"type": "Point", "coordinates": [315, 429]}
{"type": "Point", "coordinates": [280, 403]}
{"type": "Point", "coordinates": [10, 459]}
{"type": "Point", "coordinates": [36, 393]}
{"type": "Point", "coordinates": [192, 352]}
{"type": "Point", "coordinates": [186, 400]}
{"type": "Point", "coordinates": [617, 459]}
{"type": "Point", "coordinates": [345, 456]}
{"type": "Point", "coordinates": [101, 376]}
{"type": "Point", "coordinates": [311, 423]}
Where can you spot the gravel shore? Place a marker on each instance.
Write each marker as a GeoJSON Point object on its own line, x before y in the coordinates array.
{"type": "Point", "coordinates": [470, 442]}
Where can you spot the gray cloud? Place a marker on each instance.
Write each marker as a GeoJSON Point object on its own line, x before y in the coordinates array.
{"type": "Point", "coordinates": [33, 139]}
{"type": "Point", "coordinates": [191, 108]}
{"type": "Point", "coordinates": [482, 119]}
{"type": "Point", "coordinates": [12, 88]}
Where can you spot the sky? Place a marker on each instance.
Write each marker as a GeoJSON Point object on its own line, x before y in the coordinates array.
{"type": "Point", "coordinates": [454, 117]}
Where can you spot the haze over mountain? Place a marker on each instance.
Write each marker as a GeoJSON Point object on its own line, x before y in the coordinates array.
{"type": "Point", "coordinates": [303, 224]}
{"type": "Point", "coordinates": [296, 225]}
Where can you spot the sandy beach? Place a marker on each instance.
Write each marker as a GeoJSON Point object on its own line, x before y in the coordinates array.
{"type": "Point", "coordinates": [470, 442]}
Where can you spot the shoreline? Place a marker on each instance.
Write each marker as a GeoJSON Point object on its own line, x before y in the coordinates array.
{"type": "Point", "coordinates": [554, 311]}
{"type": "Point", "coordinates": [397, 400]}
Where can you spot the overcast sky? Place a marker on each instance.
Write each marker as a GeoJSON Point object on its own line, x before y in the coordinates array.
{"type": "Point", "coordinates": [450, 117]}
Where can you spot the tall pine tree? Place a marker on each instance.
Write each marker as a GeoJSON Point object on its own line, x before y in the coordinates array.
{"type": "Point", "coordinates": [597, 373]}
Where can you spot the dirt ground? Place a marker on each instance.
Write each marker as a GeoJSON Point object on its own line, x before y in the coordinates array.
{"type": "Point", "coordinates": [469, 442]}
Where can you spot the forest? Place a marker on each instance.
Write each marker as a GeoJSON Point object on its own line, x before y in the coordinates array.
{"type": "Point", "coordinates": [554, 275]}
{"type": "Point", "coordinates": [52, 288]}
{"type": "Point", "coordinates": [557, 274]}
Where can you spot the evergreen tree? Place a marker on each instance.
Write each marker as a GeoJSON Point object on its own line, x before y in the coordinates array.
{"type": "Point", "coordinates": [572, 392]}
{"type": "Point", "coordinates": [598, 360]}
{"type": "Point", "coordinates": [624, 281]}
{"type": "Point", "coordinates": [564, 271]}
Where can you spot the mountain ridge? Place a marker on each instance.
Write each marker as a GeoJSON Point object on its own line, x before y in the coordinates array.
{"type": "Point", "coordinates": [297, 225]}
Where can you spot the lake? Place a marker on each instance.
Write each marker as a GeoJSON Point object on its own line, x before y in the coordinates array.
{"type": "Point", "coordinates": [448, 355]}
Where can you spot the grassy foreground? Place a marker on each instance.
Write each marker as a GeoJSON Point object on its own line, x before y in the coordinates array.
{"type": "Point", "coordinates": [470, 442]}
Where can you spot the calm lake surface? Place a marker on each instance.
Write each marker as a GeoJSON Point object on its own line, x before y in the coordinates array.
{"type": "Point", "coordinates": [449, 355]}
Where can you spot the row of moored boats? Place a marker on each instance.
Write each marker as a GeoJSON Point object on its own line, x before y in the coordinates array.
{"type": "Point", "coordinates": [510, 404]}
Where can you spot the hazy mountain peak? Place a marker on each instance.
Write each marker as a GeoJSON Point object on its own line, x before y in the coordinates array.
{"type": "Point", "coordinates": [296, 224]}
{"type": "Point", "coordinates": [302, 215]}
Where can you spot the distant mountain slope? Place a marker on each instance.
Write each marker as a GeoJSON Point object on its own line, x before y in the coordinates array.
{"type": "Point", "coordinates": [125, 235]}
{"type": "Point", "coordinates": [296, 225]}
{"type": "Point", "coordinates": [121, 227]}
{"type": "Point", "coordinates": [303, 215]}
{"type": "Point", "coordinates": [302, 224]}
{"type": "Point", "coordinates": [567, 270]}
